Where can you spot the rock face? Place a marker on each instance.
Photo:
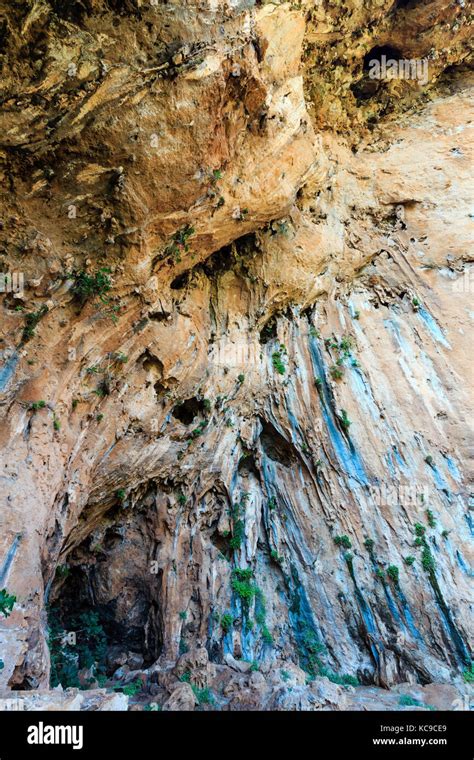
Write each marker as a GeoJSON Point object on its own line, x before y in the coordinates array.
{"type": "Point", "coordinates": [235, 380]}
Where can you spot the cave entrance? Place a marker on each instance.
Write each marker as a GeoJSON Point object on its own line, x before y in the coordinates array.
{"type": "Point", "coordinates": [104, 610]}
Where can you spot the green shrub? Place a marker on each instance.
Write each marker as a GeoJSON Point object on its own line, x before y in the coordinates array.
{"type": "Point", "coordinates": [130, 689]}
{"type": "Point", "coordinates": [336, 372]}
{"type": "Point", "coordinates": [6, 602]}
{"type": "Point", "coordinates": [343, 541]}
{"type": "Point", "coordinates": [431, 518]}
{"type": "Point", "coordinates": [420, 530]}
{"type": "Point", "coordinates": [179, 243]}
{"type": "Point", "coordinates": [407, 701]}
{"type": "Point", "coordinates": [203, 696]}
{"type": "Point", "coordinates": [35, 405]}
{"type": "Point", "coordinates": [427, 560]}
{"type": "Point", "coordinates": [89, 651]}
{"type": "Point", "coordinates": [393, 573]}
{"type": "Point", "coordinates": [227, 621]}
{"type": "Point", "coordinates": [369, 544]}
{"type": "Point", "coordinates": [31, 321]}
{"type": "Point", "coordinates": [468, 674]}
{"type": "Point", "coordinates": [277, 362]}
{"type": "Point", "coordinates": [409, 560]}
{"type": "Point", "coordinates": [345, 421]}
{"type": "Point", "coordinates": [87, 286]}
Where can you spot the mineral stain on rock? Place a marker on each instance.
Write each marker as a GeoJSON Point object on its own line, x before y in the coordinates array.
{"type": "Point", "coordinates": [244, 322]}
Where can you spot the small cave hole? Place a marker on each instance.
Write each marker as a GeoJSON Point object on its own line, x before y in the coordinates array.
{"type": "Point", "coordinates": [275, 446]}
{"type": "Point", "coordinates": [180, 282]}
{"type": "Point", "coordinates": [380, 53]}
{"type": "Point", "coordinates": [186, 411]}
{"type": "Point", "coordinates": [268, 331]}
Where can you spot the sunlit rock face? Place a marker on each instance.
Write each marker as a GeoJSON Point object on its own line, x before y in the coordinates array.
{"type": "Point", "coordinates": [236, 368]}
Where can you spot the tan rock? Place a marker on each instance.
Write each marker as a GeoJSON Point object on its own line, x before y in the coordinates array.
{"type": "Point", "coordinates": [182, 699]}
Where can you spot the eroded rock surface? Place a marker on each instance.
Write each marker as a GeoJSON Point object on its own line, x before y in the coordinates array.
{"type": "Point", "coordinates": [236, 385]}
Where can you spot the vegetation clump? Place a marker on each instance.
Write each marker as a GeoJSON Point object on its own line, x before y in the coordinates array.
{"type": "Point", "coordinates": [86, 286]}
{"type": "Point", "coordinates": [343, 541]}
{"type": "Point", "coordinates": [6, 602]}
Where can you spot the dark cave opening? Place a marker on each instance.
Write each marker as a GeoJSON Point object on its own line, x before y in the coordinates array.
{"type": "Point", "coordinates": [370, 85]}
{"type": "Point", "coordinates": [104, 609]}
{"type": "Point", "coordinates": [378, 53]}
{"type": "Point", "coordinates": [186, 411]}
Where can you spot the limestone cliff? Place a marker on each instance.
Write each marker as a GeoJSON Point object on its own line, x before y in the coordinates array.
{"type": "Point", "coordinates": [236, 382]}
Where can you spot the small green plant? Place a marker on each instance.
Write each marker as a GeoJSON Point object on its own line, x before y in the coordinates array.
{"type": "Point", "coordinates": [6, 602]}
{"type": "Point", "coordinates": [336, 372]}
{"type": "Point", "coordinates": [407, 701]}
{"type": "Point", "coordinates": [243, 586]}
{"type": "Point", "coordinates": [272, 504]}
{"type": "Point", "coordinates": [427, 560]}
{"type": "Point", "coordinates": [319, 384]}
{"type": "Point", "coordinates": [56, 423]}
{"type": "Point", "coordinates": [31, 322]}
{"type": "Point", "coordinates": [130, 689]}
{"type": "Point", "coordinates": [445, 533]}
{"type": "Point", "coordinates": [369, 544]}
{"type": "Point", "coordinates": [203, 696]}
{"type": "Point", "coordinates": [86, 286]}
{"type": "Point", "coordinates": [277, 361]}
{"type": "Point", "coordinates": [120, 357]}
{"type": "Point", "coordinates": [345, 421]}
{"type": "Point", "coordinates": [120, 494]}
{"type": "Point", "coordinates": [285, 676]}
{"type": "Point", "coordinates": [227, 621]}
{"type": "Point", "coordinates": [35, 405]}
{"type": "Point", "coordinates": [416, 303]}
{"type": "Point", "coordinates": [314, 333]}
{"type": "Point", "coordinates": [206, 404]}
{"type": "Point", "coordinates": [62, 571]}
{"type": "Point", "coordinates": [276, 557]}
{"type": "Point", "coordinates": [343, 541]}
{"type": "Point", "coordinates": [429, 460]}
{"type": "Point", "coordinates": [183, 615]}
{"type": "Point", "coordinates": [409, 560]}
{"type": "Point", "coordinates": [179, 243]}
{"type": "Point", "coordinates": [241, 378]}
{"type": "Point", "coordinates": [356, 314]}
{"type": "Point", "coordinates": [468, 674]}
{"type": "Point", "coordinates": [199, 430]}
{"type": "Point", "coordinates": [420, 530]}
{"type": "Point", "coordinates": [380, 574]}
{"type": "Point", "coordinates": [431, 518]}
{"type": "Point", "coordinates": [99, 417]}
{"type": "Point", "coordinates": [393, 573]}
{"type": "Point", "coordinates": [182, 500]}
{"type": "Point", "coordinates": [346, 344]}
